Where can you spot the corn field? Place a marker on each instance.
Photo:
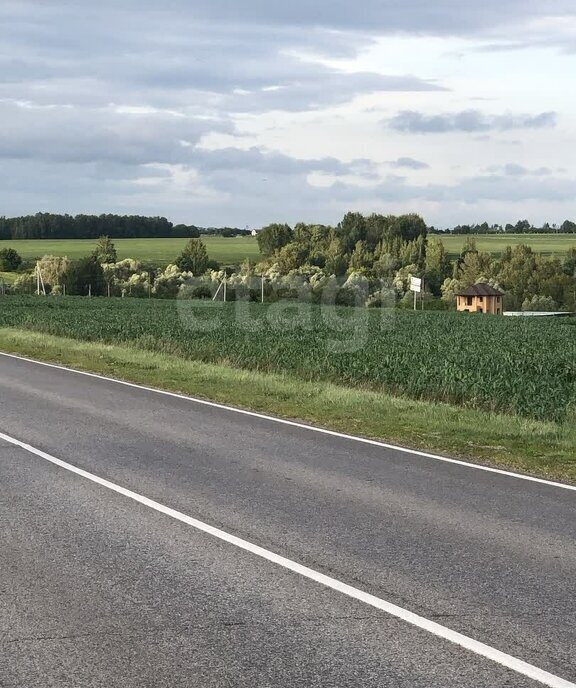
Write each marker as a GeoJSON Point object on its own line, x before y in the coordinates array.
{"type": "Point", "coordinates": [525, 366]}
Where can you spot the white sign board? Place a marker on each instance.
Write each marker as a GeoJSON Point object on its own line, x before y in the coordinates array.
{"type": "Point", "coordinates": [416, 284]}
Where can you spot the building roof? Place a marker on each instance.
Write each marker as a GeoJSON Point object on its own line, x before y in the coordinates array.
{"type": "Point", "coordinates": [481, 289]}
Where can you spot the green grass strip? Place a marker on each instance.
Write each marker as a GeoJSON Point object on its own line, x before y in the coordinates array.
{"type": "Point", "coordinates": [544, 449]}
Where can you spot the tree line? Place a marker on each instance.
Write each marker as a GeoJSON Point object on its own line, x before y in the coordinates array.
{"type": "Point", "coordinates": [54, 226]}
{"type": "Point", "coordinates": [390, 249]}
{"type": "Point", "coordinates": [366, 260]}
{"type": "Point", "coordinates": [57, 226]}
{"type": "Point", "coordinates": [521, 227]}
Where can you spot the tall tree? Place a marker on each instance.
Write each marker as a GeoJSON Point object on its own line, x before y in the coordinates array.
{"type": "Point", "coordinates": [274, 237]}
{"type": "Point", "coordinates": [105, 251]}
{"type": "Point", "coordinates": [351, 230]}
{"type": "Point", "coordinates": [194, 258]}
{"type": "Point", "coordinates": [361, 257]}
{"type": "Point", "coordinates": [85, 276]}
{"type": "Point", "coordinates": [438, 266]}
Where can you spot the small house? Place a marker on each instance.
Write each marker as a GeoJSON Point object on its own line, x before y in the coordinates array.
{"type": "Point", "coordinates": [480, 298]}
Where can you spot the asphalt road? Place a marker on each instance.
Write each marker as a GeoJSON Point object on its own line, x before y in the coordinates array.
{"type": "Point", "coordinates": [99, 590]}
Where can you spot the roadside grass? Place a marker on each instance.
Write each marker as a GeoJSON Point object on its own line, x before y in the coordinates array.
{"type": "Point", "coordinates": [540, 448]}
{"type": "Point", "coordinates": [225, 250]}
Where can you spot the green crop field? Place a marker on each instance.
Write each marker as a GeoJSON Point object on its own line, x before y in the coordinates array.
{"type": "Point", "coordinates": [232, 251]}
{"type": "Point", "coordinates": [227, 251]}
{"type": "Point", "coordinates": [524, 366]}
{"type": "Point", "coordinates": [549, 244]}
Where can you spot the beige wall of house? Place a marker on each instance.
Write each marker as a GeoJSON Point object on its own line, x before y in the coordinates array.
{"type": "Point", "coordinates": [493, 305]}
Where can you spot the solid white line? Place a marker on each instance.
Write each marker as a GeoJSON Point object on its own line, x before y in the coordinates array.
{"type": "Point", "coordinates": [295, 424]}
{"type": "Point", "coordinates": [432, 627]}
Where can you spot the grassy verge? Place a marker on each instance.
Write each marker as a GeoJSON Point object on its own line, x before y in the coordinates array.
{"type": "Point", "coordinates": [539, 448]}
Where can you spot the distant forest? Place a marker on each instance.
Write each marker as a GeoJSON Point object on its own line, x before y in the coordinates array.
{"type": "Point", "coordinates": [51, 226]}
{"type": "Point", "coordinates": [521, 227]}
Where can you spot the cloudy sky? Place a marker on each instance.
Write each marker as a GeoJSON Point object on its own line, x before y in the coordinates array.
{"type": "Point", "coordinates": [244, 112]}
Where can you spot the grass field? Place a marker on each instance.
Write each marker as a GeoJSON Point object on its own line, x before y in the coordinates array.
{"type": "Point", "coordinates": [227, 251]}
{"type": "Point", "coordinates": [551, 244]}
{"type": "Point", "coordinates": [234, 250]}
{"type": "Point", "coordinates": [521, 366]}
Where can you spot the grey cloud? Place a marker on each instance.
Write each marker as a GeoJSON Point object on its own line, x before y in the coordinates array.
{"type": "Point", "coordinates": [515, 170]}
{"type": "Point", "coordinates": [106, 136]}
{"type": "Point", "coordinates": [489, 187]}
{"type": "Point", "coordinates": [469, 121]}
{"type": "Point", "coordinates": [180, 60]}
{"type": "Point", "coordinates": [409, 163]}
{"type": "Point", "coordinates": [509, 189]}
{"type": "Point", "coordinates": [264, 162]}
{"type": "Point", "coordinates": [66, 134]}
{"type": "Point", "coordinates": [225, 192]}
{"type": "Point", "coordinates": [379, 16]}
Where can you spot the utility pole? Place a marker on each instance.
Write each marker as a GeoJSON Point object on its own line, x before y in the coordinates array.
{"type": "Point", "coordinates": [39, 281]}
{"type": "Point", "coordinates": [422, 294]}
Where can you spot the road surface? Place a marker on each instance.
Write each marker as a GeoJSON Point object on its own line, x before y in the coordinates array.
{"type": "Point", "coordinates": [99, 587]}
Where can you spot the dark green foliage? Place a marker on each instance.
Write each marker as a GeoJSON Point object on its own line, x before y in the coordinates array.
{"type": "Point", "coordinates": [273, 238]}
{"type": "Point", "coordinates": [50, 226]}
{"type": "Point", "coordinates": [194, 258]}
{"type": "Point", "coordinates": [85, 275]}
{"type": "Point", "coordinates": [10, 260]}
{"type": "Point", "coordinates": [526, 366]}
{"type": "Point", "coordinates": [185, 232]}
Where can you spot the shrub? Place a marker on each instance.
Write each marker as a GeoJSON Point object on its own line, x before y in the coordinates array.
{"type": "Point", "coordinates": [10, 260]}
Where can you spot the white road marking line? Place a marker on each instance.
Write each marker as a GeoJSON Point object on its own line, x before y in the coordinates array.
{"type": "Point", "coordinates": [508, 661]}
{"type": "Point", "coordinates": [303, 426]}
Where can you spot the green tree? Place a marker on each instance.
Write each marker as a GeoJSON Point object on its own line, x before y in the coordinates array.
{"type": "Point", "coordinates": [274, 237]}
{"type": "Point", "coordinates": [335, 258]}
{"type": "Point", "coordinates": [194, 258]}
{"type": "Point", "coordinates": [476, 267]}
{"type": "Point", "coordinates": [10, 260]}
{"type": "Point", "coordinates": [351, 230]}
{"type": "Point", "coordinates": [105, 251]}
{"type": "Point", "coordinates": [289, 257]}
{"type": "Point", "coordinates": [570, 263]}
{"type": "Point", "coordinates": [540, 303]}
{"type": "Point", "coordinates": [361, 257]}
{"type": "Point", "coordinates": [185, 232]}
{"type": "Point", "coordinates": [438, 266]}
{"type": "Point", "coordinates": [84, 276]}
